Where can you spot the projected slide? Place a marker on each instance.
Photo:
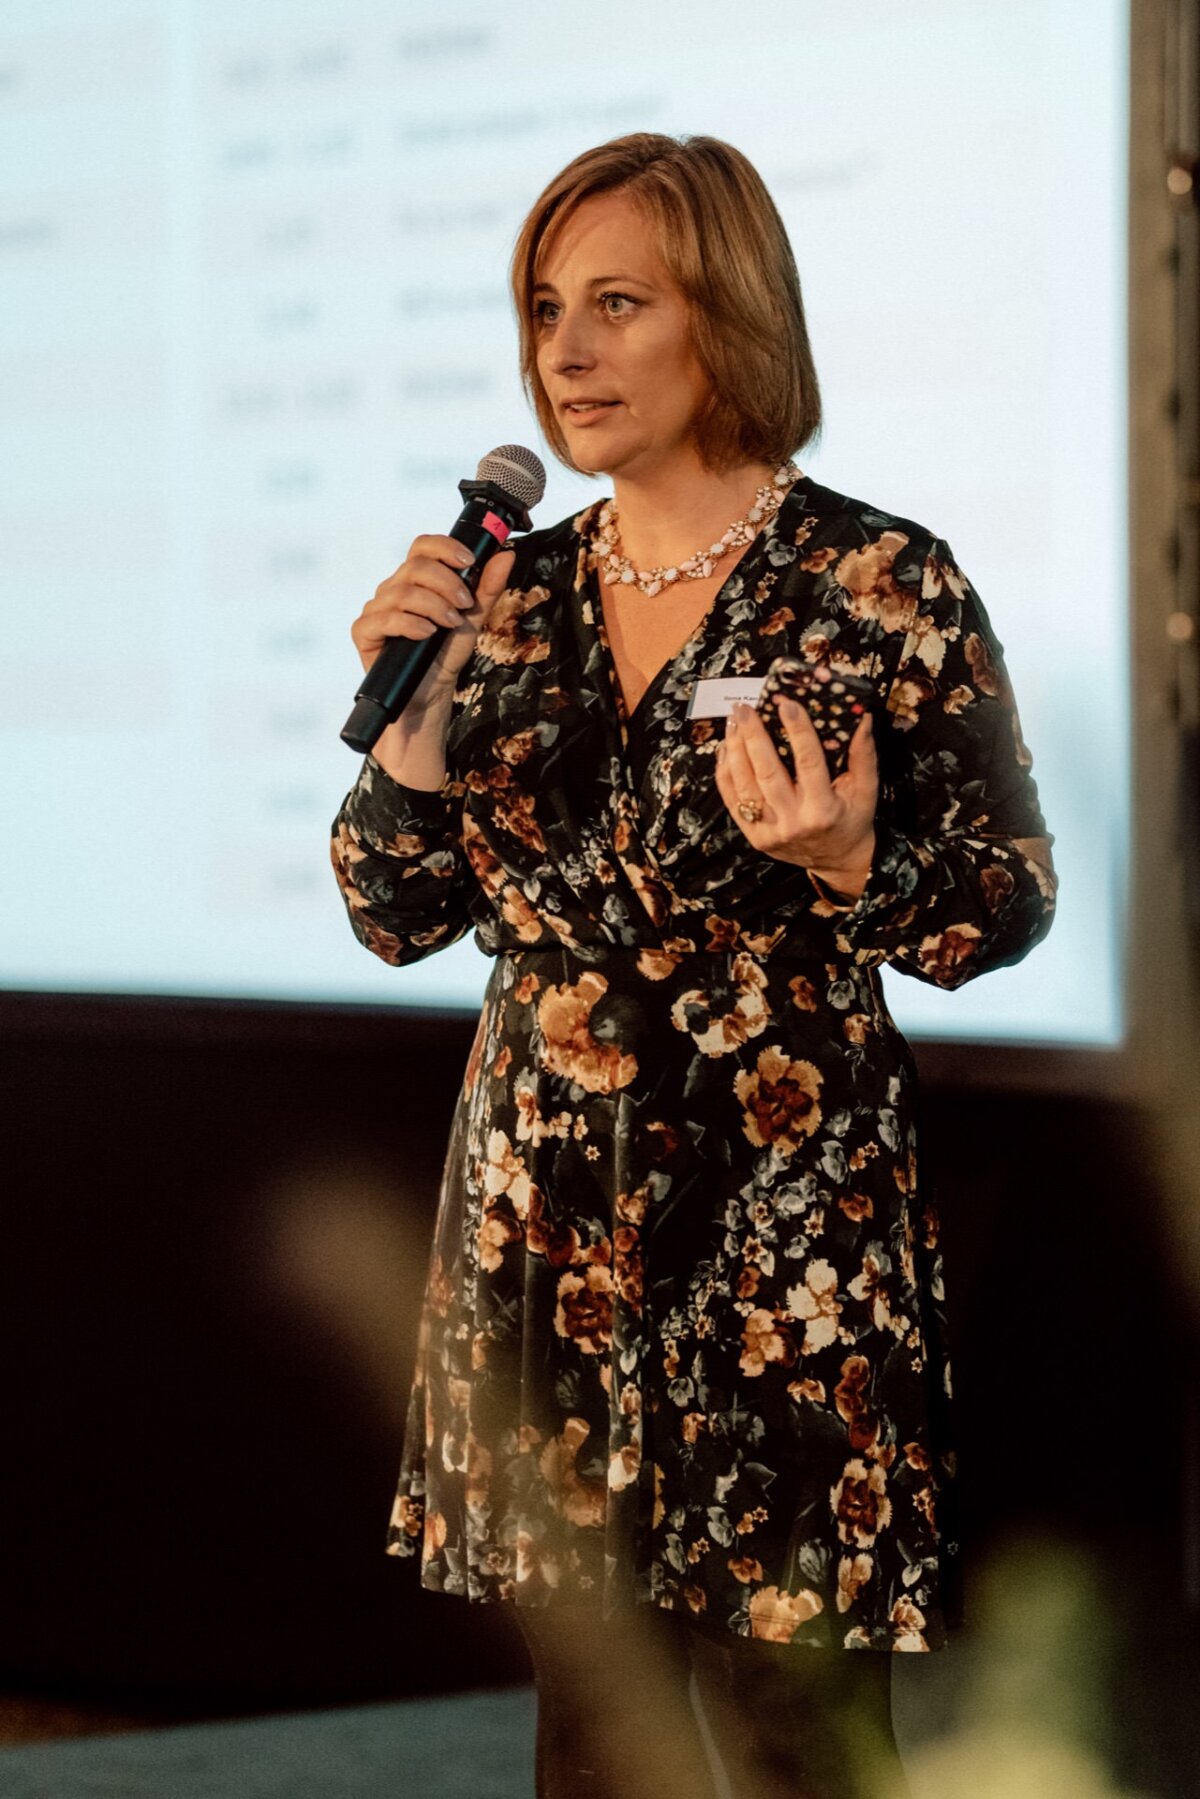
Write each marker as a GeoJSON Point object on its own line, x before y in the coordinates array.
{"type": "Point", "coordinates": [254, 327]}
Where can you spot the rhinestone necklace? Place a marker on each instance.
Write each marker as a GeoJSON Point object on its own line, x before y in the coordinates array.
{"type": "Point", "coordinates": [617, 567]}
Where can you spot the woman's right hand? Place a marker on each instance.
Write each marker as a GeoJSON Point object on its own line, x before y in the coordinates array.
{"type": "Point", "coordinates": [427, 591]}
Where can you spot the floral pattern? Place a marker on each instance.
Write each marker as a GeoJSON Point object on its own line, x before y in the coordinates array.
{"type": "Point", "coordinates": [682, 1340]}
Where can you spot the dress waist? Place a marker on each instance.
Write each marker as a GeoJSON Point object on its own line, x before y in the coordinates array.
{"type": "Point", "coordinates": [655, 960]}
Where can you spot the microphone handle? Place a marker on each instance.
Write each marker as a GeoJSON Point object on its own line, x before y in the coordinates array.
{"type": "Point", "coordinates": [403, 662]}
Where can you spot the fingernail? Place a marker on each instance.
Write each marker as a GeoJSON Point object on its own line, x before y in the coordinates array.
{"type": "Point", "coordinates": [731, 723]}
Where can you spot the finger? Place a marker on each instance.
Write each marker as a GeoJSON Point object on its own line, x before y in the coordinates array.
{"type": "Point", "coordinates": [432, 591]}
{"type": "Point", "coordinates": [440, 549]}
{"type": "Point", "coordinates": [734, 796]}
{"type": "Point", "coordinates": [370, 634]}
{"type": "Point", "coordinates": [862, 762]}
{"type": "Point", "coordinates": [724, 775]}
{"type": "Point", "coordinates": [433, 603]}
{"type": "Point", "coordinates": [721, 773]}
{"type": "Point", "coordinates": [740, 780]}
{"type": "Point", "coordinates": [495, 575]}
{"type": "Point", "coordinates": [428, 572]}
{"type": "Point", "coordinates": [762, 758]}
{"type": "Point", "coordinates": [736, 761]}
{"type": "Point", "coordinates": [812, 768]}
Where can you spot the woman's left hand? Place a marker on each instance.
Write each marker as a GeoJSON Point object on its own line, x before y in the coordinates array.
{"type": "Point", "coordinates": [825, 826]}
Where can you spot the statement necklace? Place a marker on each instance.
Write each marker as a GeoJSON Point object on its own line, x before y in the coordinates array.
{"type": "Point", "coordinates": [617, 567]}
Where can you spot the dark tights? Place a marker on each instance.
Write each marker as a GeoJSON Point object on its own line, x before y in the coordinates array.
{"type": "Point", "coordinates": [615, 1717]}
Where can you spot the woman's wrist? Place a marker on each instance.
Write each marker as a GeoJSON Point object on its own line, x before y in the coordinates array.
{"type": "Point", "coordinates": [848, 880]}
{"type": "Point", "coordinates": [413, 750]}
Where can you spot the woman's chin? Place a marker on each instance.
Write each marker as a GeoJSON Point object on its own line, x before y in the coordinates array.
{"type": "Point", "coordinates": [591, 465]}
{"type": "Point", "coordinates": [607, 459]}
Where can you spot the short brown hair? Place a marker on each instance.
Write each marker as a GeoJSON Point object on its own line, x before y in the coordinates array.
{"type": "Point", "coordinates": [724, 244]}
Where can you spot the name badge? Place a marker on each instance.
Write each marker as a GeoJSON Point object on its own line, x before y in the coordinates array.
{"type": "Point", "coordinates": [717, 698]}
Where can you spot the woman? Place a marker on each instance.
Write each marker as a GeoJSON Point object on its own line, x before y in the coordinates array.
{"type": "Point", "coordinates": [681, 1364]}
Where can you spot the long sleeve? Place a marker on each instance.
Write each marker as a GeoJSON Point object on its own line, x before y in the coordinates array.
{"type": "Point", "coordinates": [399, 862]}
{"type": "Point", "coordinates": [961, 881]}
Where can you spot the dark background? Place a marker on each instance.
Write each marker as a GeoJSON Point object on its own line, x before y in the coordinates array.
{"type": "Point", "coordinates": [217, 1220]}
{"type": "Point", "coordinates": [217, 1216]}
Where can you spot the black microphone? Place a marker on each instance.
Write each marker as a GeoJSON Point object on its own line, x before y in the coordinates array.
{"type": "Point", "coordinates": [507, 483]}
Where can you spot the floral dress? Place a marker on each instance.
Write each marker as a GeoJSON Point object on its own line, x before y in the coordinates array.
{"type": "Point", "coordinates": [682, 1339]}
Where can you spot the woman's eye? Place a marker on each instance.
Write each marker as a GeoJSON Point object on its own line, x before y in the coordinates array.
{"type": "Point", "coordinates": [617, 306]}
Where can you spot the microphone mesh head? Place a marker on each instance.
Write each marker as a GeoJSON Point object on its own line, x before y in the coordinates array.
{"type": "Point", "coordinates": [517, 470]}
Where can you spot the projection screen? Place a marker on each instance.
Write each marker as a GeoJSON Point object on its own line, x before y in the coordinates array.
{"type": "Point", "coordinates": [254, 327]}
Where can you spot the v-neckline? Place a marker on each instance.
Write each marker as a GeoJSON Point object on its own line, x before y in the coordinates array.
{"type": "Point", "coordinates": [626, 718]}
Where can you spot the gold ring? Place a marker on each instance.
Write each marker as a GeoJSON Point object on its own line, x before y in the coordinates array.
{"type": "Point", "coordinates": [750, 810]}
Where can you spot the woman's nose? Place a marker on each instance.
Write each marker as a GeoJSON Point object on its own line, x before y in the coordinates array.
{"type": "Point", "coordinates": [572, 346]}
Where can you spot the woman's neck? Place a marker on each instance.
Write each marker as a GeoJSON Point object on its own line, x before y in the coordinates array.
{"type": "Point", "coordinates": [667, 516]}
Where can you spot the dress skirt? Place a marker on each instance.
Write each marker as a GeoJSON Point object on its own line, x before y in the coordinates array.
{"type": "Point", "coordinates": [681, 1341]}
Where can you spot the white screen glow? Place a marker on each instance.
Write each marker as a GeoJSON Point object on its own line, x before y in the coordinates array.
{"type": "Point", "coordinates": [254, 328]}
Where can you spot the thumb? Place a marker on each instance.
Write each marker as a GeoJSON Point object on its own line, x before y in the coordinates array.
{"type": "Point", "coordinates": [494, 577]}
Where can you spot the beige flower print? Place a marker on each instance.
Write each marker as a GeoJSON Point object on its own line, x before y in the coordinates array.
{"type": "Point", "coordinates": [816, 1303]}
{"type": "Point", "coordinates": [910, 1628]}
{"type": "Point", "coordinates": [860, 1503]}
{"type": "Point", "coordinates": [580, 1501]}
{"type": "Point", "coordinates": [585, 1308]}
{"type": "Point", "coordinates": [868, 578]}
{"type": "Point", "coordinates": [854, 1571]}
{"type": "Point", "coordinates": [779, 1100]}
{"type": "Point", "coordinates": [776, 1616]}
{"type": "Point", "coordinates": [765, 1339]}
{"type": "Point", "coordinates": [505, 1173]}
{"type": "Point", "coordinates": [503, 639]}
{"type": "Point", "coordinates": [568, 1047]}
{"type": "Point", "coordinates": [532, 1126]}
{"type": "Point", "coordinates": [868, 1286]}
{"type": "Point", "coordinates": [941, 955]}
{"type": "Point", "coordinates": [715, 1034]}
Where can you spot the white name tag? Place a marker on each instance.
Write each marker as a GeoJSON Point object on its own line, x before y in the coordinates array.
{"type": "Point", "coordinates": [716, 699]}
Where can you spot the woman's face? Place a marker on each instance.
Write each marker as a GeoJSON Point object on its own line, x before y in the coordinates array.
{"type": "Point", "coordinates": [610, 324]}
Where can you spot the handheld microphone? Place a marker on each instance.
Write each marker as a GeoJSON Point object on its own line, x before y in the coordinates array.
{"type": "Point", "coordinates": [507, 483]}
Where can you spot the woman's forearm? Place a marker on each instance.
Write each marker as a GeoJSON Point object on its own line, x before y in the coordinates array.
{"type": "Point", "coordinates": [413, 750]}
